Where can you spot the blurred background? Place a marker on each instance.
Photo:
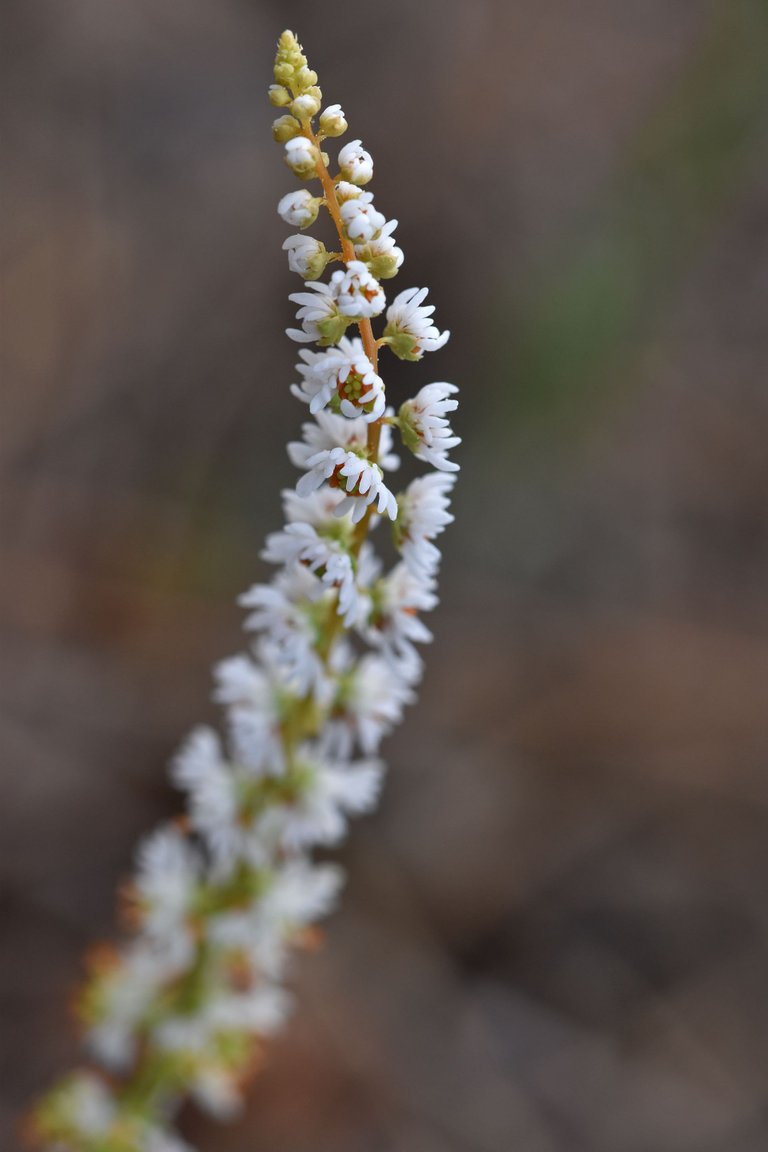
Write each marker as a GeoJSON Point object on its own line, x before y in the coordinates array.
{"type": "Point", "coordinates": [555, 933]}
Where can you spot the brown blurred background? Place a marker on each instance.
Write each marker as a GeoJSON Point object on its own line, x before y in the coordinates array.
{"type": "Point", "coordinates": [555, 934]}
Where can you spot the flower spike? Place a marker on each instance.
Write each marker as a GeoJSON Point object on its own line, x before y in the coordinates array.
{"type": "Point", "coordinates": [222, 898]}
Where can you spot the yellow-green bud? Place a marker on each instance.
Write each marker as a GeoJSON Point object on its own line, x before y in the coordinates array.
{"type": "Point", "coordinates": [332, 121]}
{"type": "Point", "coordinates": [285, 128]}
{"type": "Point", "coordinates": [279, 97]}
{"type": "Point", "coordinates": [305, 79]}
{"type": "Point", "coordinates": [305, 107]}
{"type": "Point", "coordinates": [405, 348]}
{"type": "Point", "coordinates": [331, 329]}
{"type": "Point", "coordinates": [382, 267]}
{"type": "Point", "coordinates": [283, 73]}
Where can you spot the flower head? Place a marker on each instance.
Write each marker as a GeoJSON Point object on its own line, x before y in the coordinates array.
{"type": "Point", "coordinates": [355, 163]}
{"type": "Point", "coordinates": [410, 331]}
{"type": "Point", "coordinates": [424, 427]}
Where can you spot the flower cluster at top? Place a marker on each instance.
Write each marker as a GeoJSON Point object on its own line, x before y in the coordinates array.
{"type": "Point", "coordinates": [223, 897]}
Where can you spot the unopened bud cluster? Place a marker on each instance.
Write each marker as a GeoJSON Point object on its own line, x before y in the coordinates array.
{"type": "Point", "coordinates": [222, 898]}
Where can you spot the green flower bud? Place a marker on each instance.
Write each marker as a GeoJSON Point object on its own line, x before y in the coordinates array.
{"type": "Point", "coordinates": [279, 97]}
{"type": "Point", "coordinates": [331, 329]}
{"type": "Point", "coordinates": [285, 128]}
{"type": "Point", "coordinates": [284, 73]}
{"type": "Point", "coordinates": [383, 267]}
{"type": "Point", "coordinates": [408, 429]}
{"type": "Point", "coordinates": [306, 78]}
{"type": "Point", "coordinates": [402, 344]}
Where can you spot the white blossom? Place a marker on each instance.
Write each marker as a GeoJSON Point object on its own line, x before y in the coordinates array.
{"type": "Point", "coordinates": [357, 293]}
{"type": "Point", "coordinates": [344, 373]}
{"type": "Point", "coordinates": [168, 870]}
{"type": "Point", "coordinates": [362, 480]}
{"type": "Point", "coordinates": [299, 208]}
{"type": "Point", "coordinates": [424, 426]}
{"type": "Point", "coordinates": [253, 700]}
{"type": "Point", "coordinates": [332, 431]}
{"type": "Point", "coordinates": [409, 325]}
{"type": "Point", "coordinates": [422, 515]}
{"type": "Point", "coordinates": [383, 244]}
{"type": "Point", "coordinates": [395, 626]}
{"type": "Point", "coordinates": [355, 163]}
{"type": "Point", "coordinates": [332, 121]}
{"type": "Point", "coordinates": [301, 156]}
{"type": "Point", "coordinates": [361, 220]}
{"type": "Point", "coordinates": [327, 558]}
{"type": "Point", "coordinates": [306, 256]}
{"type": "Point", "coordinates": [317, 308]}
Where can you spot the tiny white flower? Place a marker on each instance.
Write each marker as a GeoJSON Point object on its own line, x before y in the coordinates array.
{"type": "Point", "coordinates": [422, 515]}
{"type": "Point", "coordinates": [410, 331]}
{"type": "Point", "coordinates": [361, 220]}
{"type": "Point", "coordinates": [424, 427]}
{"type": "Point", "coordinates": [299, 209]}
{"type": "Point", "coordinates": [395, 626]}
{"type": "Point", "coordinates": [306, 256]}
{"type": "Point", "coordinates": [332, 121]}
{"type": "Point", "coordinates": [301, 156]}
{"type": "Point", "coordinates": [168, 870]}
{"type": "Point", "coordinates": [253, 699]}
{"type": "Point", "coordinates": [124, 994]}
{"type": "Point", "coordinates": [356, 292]}
{"type": "Point", "coordinates": [382, 244]}
{"type": "Point", "coordinates": [355, 163]}
{"type": "Point", "coordinates": [319, 315]}
{"type": "Point", "coordinates": [334, 791]}
{"type": "Point", "coordinates": [334, 431]}
{"type": "Point", "coordinates": [328, 559]}
{"type": "Point", "coordinates": [88, 1104]}
{"type": "Point", "coordinates": [346, 191]}
{"type": "Point", "coordinates": [343, 375]}
{"type": "Point", "coordinates": [371, 703]}
{"type": "Point", "coordinates": [282, 613]}
{"type": "Point", "coordinates": [362, 480]}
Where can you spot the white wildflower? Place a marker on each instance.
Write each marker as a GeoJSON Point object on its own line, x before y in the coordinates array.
{"type": "Point", "coordinates": [319, 314]}
{"type": "Point", "coordinates": [410, 331]}
{"type": "Point", "coordinates": [362, 480]}
{"type": "Point", "coordinates": [333, 791]}
{"type": "Point", "coordinates": [301, 156]}
{"type": "Point", "coordinates": [306, 256]}
{"type": "Point", "coordinates": [356, 292]}
{"type": "Point", "coordinates": [346, 191]}
{"type": "Point", "coordinates": [424, 427]}
{"type": "Point", "coordinates": [361, 220]}
{"type": "Point", "coordinates": [395, 626]}
{"type": "Point", "coordinates": [167, 873]}
{"type": "Point", "coordinates": [332, 431]}
{"type": "Point", "coordinates": [332, 121]}
{"type": "Point", "coordinates": [370, 704]}
{"type": "Point", "coordinates": [328, 559]}
{"type": "Point", "coordinates": [254, 701]}
{"type": "Point", "coordinates": [355, 163]}
{"type": "Point", "coordinates": [299, 209]}
{"type": "Point", "coordinates": [343, 374]}
{"type": "Point", "coordinates": [422, 515]}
